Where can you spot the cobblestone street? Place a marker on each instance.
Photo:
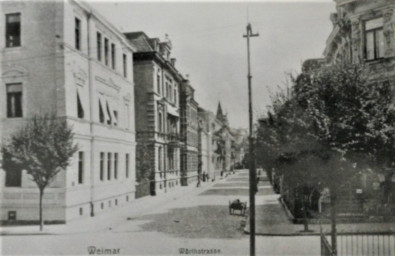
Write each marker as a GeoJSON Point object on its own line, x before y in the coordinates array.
{"type": "Point", "coordinates": [198, 218]}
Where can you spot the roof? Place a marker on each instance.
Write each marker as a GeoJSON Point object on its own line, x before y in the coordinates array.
{"type": "Point", "coordinates": [140, 40]}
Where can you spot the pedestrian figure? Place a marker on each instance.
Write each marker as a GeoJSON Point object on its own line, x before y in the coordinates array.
{"type": "Point", "coordinates": [198, 183]}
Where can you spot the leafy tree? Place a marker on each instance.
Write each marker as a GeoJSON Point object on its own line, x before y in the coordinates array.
{"type": "Point", "coordinates": [43, 147]}
{"type": "Point", "coordinates": [334, 115]}
{"type": "Point", "coordinates": [145, 174]}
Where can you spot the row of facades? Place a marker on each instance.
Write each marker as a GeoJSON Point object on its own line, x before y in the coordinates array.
{"type": "Point", "coordinates": [138, 125]}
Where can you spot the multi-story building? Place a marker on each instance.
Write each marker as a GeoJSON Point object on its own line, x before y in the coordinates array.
{"type": "Point", "coordinates": [215, 162]}
{"type": "Point", "coordinates": [363, 33]}
{"type": "Point", "coordinates": [226, 137]}
{"type": "Point", "coordinates": [189, 134]}
{"type": "Point", "coordinates": [157, 90]}
{"type": "Point", "coordinates": [205, 138]}
{"type": "Point", "coordinates": [240, 137]}
{"type": "Point", "coordinates": [74, 63]}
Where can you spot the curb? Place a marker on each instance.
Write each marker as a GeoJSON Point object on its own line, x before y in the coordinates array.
{"type": "Point", "coordinates": [26, 234]}
{"type": "Point", "coordinates": [161, 199]}
{"type": "Point", "coordinates": [317, 233]}
{"type": "Point", "coordinates": [287, 211]}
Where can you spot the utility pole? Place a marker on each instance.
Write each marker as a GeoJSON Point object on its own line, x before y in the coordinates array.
{"type": "Point", "coordinates": [253, 184]}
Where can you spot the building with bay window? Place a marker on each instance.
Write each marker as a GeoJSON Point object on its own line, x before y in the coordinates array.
{"type": "Point", "coordinates": [73, 62]}
{"type": "Point", "coordinates": [157, 89]}
{"type": "Point", "coordinates": [189, 134]}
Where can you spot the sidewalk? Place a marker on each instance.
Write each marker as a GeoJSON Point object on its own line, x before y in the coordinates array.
{"type": "Point", "coordinates": [111, 218]}
{"type": "Point", "coordinates": [272, 220]}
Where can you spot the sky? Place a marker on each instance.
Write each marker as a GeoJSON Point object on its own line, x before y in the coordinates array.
{"type": "Point", "coordinates": [208, 43]}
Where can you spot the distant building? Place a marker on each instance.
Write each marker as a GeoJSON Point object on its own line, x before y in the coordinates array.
{"type": "Point", "coordinates": [227, 138]}
{"type": "Point", "coordinates": [157, 90]}
{"type": "Point", "coordinates": [189, 134]}
{"type": "Point", "coordinates": [240, 137]}
{"type": "Point", "coordinates": [64, 57]}
{"type": "Point", "coordinates": [215, 162]}
{"type": "Point", "coordinates": [205, 147]}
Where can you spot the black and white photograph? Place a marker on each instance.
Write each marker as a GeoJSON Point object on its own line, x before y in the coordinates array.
{"type": "Point", "coordinates": [197, 127]}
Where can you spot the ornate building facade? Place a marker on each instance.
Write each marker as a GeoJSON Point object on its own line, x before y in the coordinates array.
{"type": "Point", "coordinates": [157, 92]}
{"type": "Point", "coordinates": [364, 33]}
{"type": "Point", "coordinates": [80, 67]}
{"type": "Point", "coordinates": [189, 134]}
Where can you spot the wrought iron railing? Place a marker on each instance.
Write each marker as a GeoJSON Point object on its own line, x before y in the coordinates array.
{"type": "Point", "coordinates": [366, 244]}
{"type": "Point", "coordinates": [360, 244]}
{"type": "Point", "coordinates": [326, 248]}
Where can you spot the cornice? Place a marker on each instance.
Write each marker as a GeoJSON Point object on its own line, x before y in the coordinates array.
{"type": "Point", "coordinates": [155, 56]}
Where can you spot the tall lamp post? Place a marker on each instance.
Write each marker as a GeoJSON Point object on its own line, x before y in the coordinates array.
{"type": "Point", "coordinates": [252, 171]}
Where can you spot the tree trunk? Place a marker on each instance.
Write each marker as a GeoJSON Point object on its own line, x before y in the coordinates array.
{"type": "Point", "coordinates": [41, 209]}
{"type": "Point", "coordinates": [305, 222]}
{"type": "Point", "coordinates": [333, 223]}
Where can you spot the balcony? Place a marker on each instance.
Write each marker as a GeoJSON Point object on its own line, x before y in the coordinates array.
{"type": "Point", "coordinates": [173, 139]}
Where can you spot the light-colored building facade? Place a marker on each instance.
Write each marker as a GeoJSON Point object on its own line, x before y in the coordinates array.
{"type": "Point", "coordinates": [63, 57]}
{"type": "Point", "coordinates": [205, 147]}
{"type": "Point", "coordinates": [215, 162]}
{"type": "Point", "coordinates": [226, 137]}
{"type": "Point", "coordinates": [240, 137]}
{"type": "Point", "coordinates": [157, 83]}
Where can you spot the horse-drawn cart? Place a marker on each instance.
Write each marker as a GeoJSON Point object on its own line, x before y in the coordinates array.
{"type": "Point", "coordinates": [237, 205]}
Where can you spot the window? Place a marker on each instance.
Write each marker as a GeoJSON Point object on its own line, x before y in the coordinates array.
{"type": "Point", "coordinates": [113, 56]}
{"type": "Point", "coordinates": [167, 89]}
{"type": "Point", "coordinates": [13, 177]}
{"type": "Point", "coordinates": [115, 118]}
{"type": "Point", "coordinates": [14, 100]}
{"type": "Point", "coordinates": [109, 120]}
{"type": "Point", "coordinates": [158, 82]}
{"type": "Point", "coordinates": [13, 30]}
{"type": "Point", "coordinates": [115, 165]}
{"type": "Point", "coordinates": [109, 166]}
{"type": "Point", "coordinates": [160, 159]}
{"type": "Point", "coordinates": [80, 109]}
{"type": "Point", "coordinates": [125, 66]}
{"type": "Point", "coordinates": [127, 165]}
{"type": "Point", "coordinates": [101, 113]}
{"type": "Point", "coordinates": [127, 113]}
{"type": "Point", "coordinates": [101, 166]}
{"type": "Point", "coordinates": [77, 34]}
{"type": "Point", "coordinates": [175, 96]}
{"type": "Point", "coordinates": [99, 43]}
{"type": "Point", "coordinates": [80, 167]}
{"type": "Point", "coordinates": [160, 122]}
{"type": "Point", "coordinates": [106, 51]}
{"type": "Point", "coordinates": [374, 39]}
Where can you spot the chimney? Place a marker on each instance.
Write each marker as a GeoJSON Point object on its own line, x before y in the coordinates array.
{"type": "Point", "coordinates": [173, 61]}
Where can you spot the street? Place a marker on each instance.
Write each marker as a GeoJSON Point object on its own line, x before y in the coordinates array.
{"type": "Point", "coordinates": [193, 221]}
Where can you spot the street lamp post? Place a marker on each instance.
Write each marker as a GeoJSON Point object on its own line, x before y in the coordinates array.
{"type": "Point", "coordinates": [252, 171]}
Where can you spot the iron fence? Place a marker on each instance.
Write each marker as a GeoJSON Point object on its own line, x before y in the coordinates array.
{"type": "Point", "coordinates": [326, 248]}
{"type": "Point", "coordinates": [361, 244]}
{"type": "Point", "coordinates": [367, 245]}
